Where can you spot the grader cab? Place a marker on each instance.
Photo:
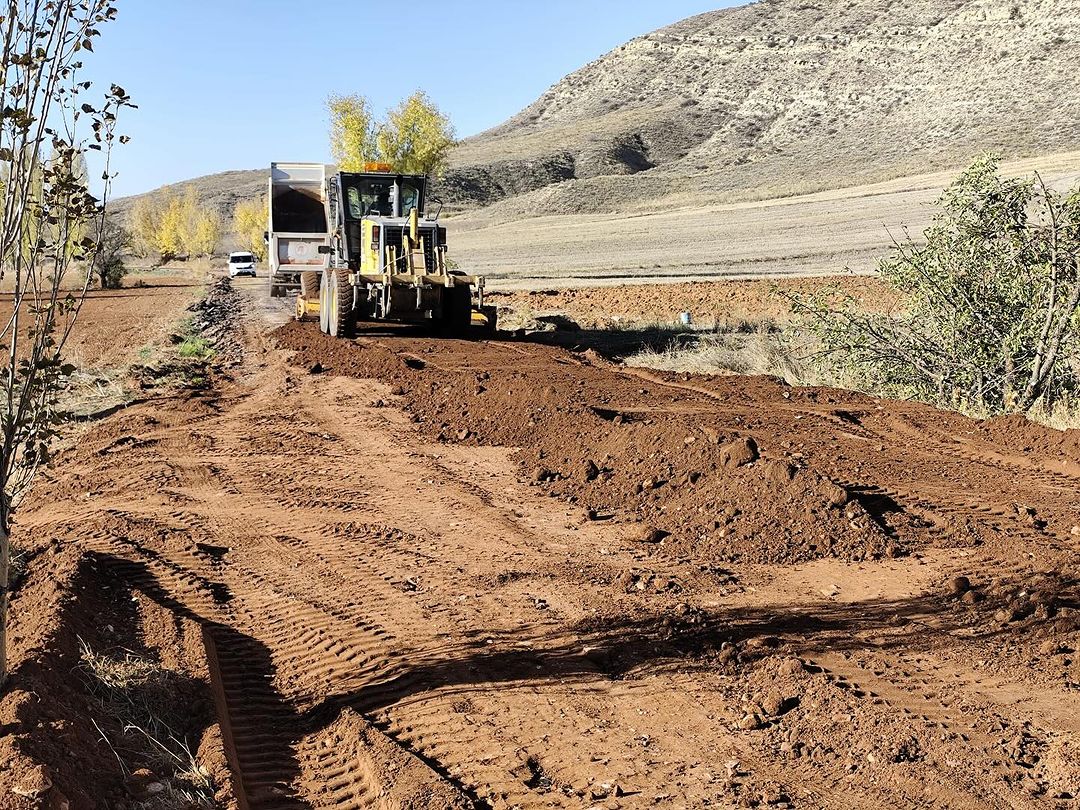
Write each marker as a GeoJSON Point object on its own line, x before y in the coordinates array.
{"type": "Point", "coordinates": [378, 257]}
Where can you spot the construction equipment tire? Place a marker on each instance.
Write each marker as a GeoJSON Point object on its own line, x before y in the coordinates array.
{"type": "Point", "coordinates": [340, 299]}
{"type": "Point", "coordinates": [324, 310]}
{"type": "Point", "coordinates": [457, 310]}
{"type": "Point", "coordinates": [309, 285]}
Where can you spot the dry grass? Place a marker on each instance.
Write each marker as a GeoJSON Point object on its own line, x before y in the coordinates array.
{"type": "Point", "coordinates": [118, 676]}
{"type": "Point", "coordinates": [748, 348]}
{"type": "Point", "coordinates": [1064, 415]}
{"type": "Point", "coordinates": [130, 688]}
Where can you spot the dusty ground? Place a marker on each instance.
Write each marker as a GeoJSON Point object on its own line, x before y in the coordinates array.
{"type": "Point", "coordinates": [434, 573]}
{"type": "Point", "coordinates": [709, 303]}
{"type": "Point", "coordinates": [686, 238]}
{"type": "Point", "coordinates": [113, 325]}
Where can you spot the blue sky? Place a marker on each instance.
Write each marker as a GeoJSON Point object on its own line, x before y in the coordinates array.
{"type": "Point", "coordinates": [234, 84]}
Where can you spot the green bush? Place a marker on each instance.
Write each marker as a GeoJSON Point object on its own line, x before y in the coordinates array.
{"type": "Point", "coordinates": [991, 303]}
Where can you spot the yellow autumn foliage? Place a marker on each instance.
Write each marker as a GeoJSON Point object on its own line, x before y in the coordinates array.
{"type": "Point", "coordinates": [415, 138]}
{"type": "Point", "coordinates": [249, 226]}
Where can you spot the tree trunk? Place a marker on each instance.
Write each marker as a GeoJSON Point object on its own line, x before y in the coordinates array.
{"type": "Point", "coordinates": [5, 578]}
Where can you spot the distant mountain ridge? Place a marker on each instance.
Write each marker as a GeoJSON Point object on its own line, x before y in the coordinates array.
{"type": "Point", "coordinates": [770, 99]}
{"type": "Point", "coordinates": [782, 96]}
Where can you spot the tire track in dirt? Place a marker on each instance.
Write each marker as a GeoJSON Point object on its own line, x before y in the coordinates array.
{"type": "Point", "coordinates": [394, 618]}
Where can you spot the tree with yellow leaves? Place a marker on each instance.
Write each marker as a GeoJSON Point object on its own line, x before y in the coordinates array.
{"type": "Point", "coordinates": [416, 136]}
{"type": "Point", "coordinates": [203, 232]}
{"type": "Point", "coordinates": [172, 228]}
{"type": "Point", "coordinates": [352, 131]}
{"type": "Point", "coordinates": [145, 222]}
{"type": "Point", "coordinates": [174, 225]}
{"type": "Point", "coordinates": [249, 226]}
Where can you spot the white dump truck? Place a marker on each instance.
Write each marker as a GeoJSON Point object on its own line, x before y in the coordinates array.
{"type": "Point", "coordinates": [298, 237]}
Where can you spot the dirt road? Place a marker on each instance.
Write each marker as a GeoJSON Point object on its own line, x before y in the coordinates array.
{"type": "Point", "coordinates": [437, 573]}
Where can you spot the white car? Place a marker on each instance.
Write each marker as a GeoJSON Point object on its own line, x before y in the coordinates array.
{"type": "Point", "coordinates": [241, 264]}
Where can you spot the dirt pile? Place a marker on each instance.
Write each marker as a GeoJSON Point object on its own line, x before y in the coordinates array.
{"type": "Point", "coordinates": [701, 471]}
{"type": "Point", "coordinates": [215, 318]}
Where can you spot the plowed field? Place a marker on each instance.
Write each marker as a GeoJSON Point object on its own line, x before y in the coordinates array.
{"type": "Point", "coordinates": [419, 573]}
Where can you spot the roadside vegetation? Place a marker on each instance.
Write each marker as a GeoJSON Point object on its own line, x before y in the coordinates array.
{"type": "Point", "coordinates": [114, 243]}
{"type": "Point", "coordinates": [47, 247]}
{"type": "Point", "coordinates": [750, 347]}
{"type": "Point", "coordinates": [980, 315]}
{"type": "Point", "coordinates": [249, 226]}
{"type": "Point", "coordinates": [415, 137]}
{"type": "Point", "coordinates": [990, 319]}
{"type": "Point", "coordinates": [174, 226]}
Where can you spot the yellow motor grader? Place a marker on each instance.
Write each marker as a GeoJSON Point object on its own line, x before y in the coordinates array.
{"type": "Point", "coordinates": [360, 246]}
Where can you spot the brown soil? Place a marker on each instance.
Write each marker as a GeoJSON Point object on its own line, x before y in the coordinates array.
{"type": "Point", "coordinates": [114, 324]}
{"type": "Point", "coordinates": [752, 596]}
{"type": "Point", "coordinates": [723, 303]}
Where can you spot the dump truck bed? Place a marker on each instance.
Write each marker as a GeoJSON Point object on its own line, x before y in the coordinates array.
{"type": "Point", "coordinates": [298, 236]}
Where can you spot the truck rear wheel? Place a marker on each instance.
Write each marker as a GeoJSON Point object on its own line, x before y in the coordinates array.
{"type": "Point", "coordinates": [340, 299]}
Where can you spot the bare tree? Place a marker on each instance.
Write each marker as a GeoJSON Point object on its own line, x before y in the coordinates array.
{"type": "Point", "coordinates": [114, 242]}
{"type": "Point", "coordinates": [47, 209]}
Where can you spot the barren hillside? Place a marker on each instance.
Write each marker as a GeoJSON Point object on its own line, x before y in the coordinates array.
{"type": "Point", "coordinates": [221, 191]}
{"type": "Point", "coordinates": [786, 96]}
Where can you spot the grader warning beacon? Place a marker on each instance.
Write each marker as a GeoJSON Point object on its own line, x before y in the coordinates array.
{"type": "Point", "coordinates": [360, 246]}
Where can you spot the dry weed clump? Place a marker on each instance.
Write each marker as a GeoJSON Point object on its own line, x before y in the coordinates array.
{"type": "Point", "coordinates": [748, 347]}
{"type": "Point", "coordinates": [117, 676]}
{"type": "Point", "coordinates": [138, 695]}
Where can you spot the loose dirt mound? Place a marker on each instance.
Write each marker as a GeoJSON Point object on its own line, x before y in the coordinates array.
{"type": "Point", "coordinates": [711, 469]}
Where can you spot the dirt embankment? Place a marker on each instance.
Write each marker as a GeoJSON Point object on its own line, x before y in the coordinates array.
{"type": "Point", "coordinates": [674, 592]}
{"type": "Point", "coordinates": [726, 469]}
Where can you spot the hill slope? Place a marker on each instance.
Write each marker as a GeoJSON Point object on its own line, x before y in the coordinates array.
{"type": "Point", "coordinates": [220, 191]}
{"type": "Point", "coordinates": [785, 96]}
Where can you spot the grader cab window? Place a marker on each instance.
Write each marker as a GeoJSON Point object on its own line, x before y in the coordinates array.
{"type": "Point", "coordinates": [374, 197]}
{"type": "Point", "coordinates": [410, 198]}
{"type": "Point", "coordinates": [356, 205]}
{"type": "Point", "coordinates": [370, 198]}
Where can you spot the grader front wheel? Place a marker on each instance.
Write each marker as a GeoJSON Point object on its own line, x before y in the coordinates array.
{"type": "Point", "coordinates": [340, 300]}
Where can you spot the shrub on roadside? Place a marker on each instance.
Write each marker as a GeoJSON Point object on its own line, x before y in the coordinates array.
{"type": "Point", "coordinates": [990, 320]}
